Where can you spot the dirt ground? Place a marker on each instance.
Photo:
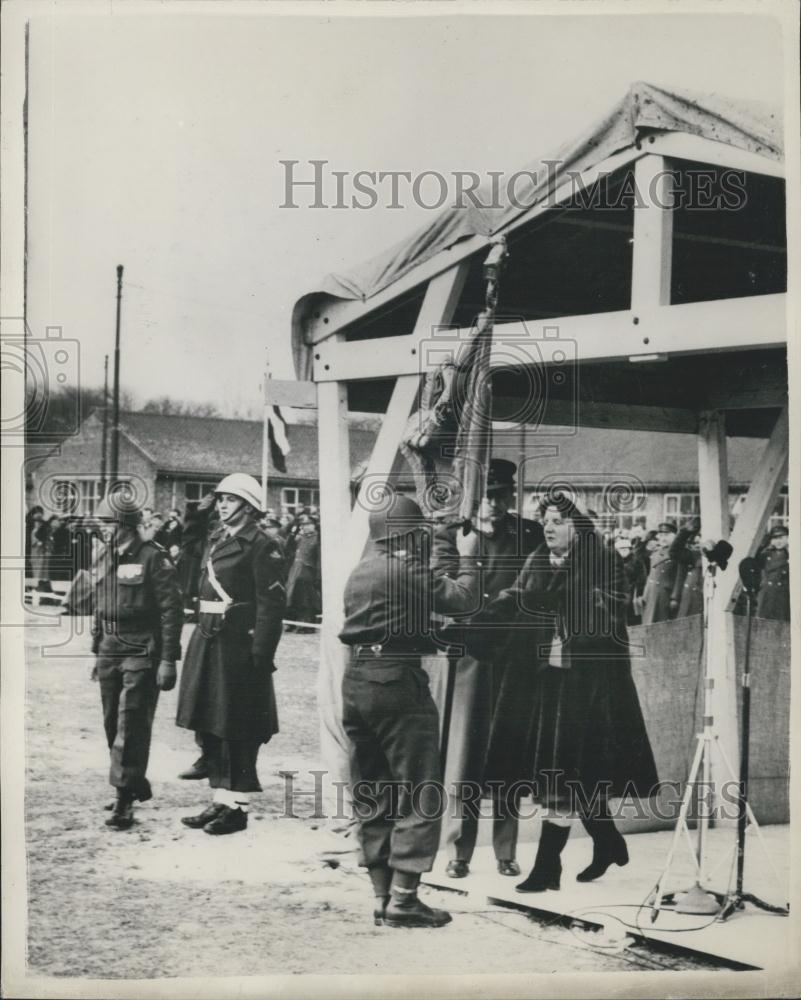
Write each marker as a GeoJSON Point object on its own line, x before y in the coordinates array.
{"type": "Point", "coordinates": [161, 900]}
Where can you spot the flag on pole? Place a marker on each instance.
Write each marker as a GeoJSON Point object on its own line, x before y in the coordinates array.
{"type": "Point", "coordinates": [277, 434]}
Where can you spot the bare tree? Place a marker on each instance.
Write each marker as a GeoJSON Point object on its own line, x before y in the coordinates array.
{"type": "Point", "coordinates": [168, 406]}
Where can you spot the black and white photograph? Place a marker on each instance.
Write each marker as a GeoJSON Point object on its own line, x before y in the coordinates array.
{"type": "Point", "coordinates": [400, 480]}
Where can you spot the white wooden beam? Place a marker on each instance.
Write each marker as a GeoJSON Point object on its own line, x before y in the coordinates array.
{"type": "Point", "coordinates": [330, 315]}
{"type": "Point", "coordinates": [713, 488]}
{"type": "Point", "coordinates": [757, 321]}
{"type": "Point", "coordinates": [681, 145]}
{"type": "Point", "coordinates": [379, 469]}
{"type": "Point", "coordinates": [653, 234]}
{"type": "Point", "coordinates": [769, 477]}
{"type": "Point", "coordinates": [334, 472]}
{"type": "Point", "coordinates": [713, 475]}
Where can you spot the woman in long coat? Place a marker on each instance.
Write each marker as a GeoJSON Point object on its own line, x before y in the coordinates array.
{"type": "Point", "coordinates": [226, 694]}
{"type": "Point", "coordinates": [568, 727]}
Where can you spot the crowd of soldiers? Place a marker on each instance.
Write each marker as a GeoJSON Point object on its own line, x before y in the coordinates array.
{"type": "Point", "coordinates": [664, 572]}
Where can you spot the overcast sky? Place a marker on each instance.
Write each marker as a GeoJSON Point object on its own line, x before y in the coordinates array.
{"type": "Point", "coordinates": [155, 142]}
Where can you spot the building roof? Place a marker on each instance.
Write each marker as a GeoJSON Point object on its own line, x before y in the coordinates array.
{"type": "Point", "coordinates": [661, 461]}
{"type": "Point", "coordinates": [209, 446]}
{"type": "Point", "coordinates": [645, 110]}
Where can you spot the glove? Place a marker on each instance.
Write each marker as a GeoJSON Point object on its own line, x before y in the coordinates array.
{"type": "Point", "coordinates": [166, 676]}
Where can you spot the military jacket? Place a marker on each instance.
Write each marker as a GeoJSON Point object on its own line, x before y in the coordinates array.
{"type": "Point", "coordinates": [137, 595]}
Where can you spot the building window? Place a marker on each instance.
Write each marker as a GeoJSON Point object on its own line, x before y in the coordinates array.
{"type": "Point", "coordinates": [781, 512]}
{"type": "Point", "coordinates": [77, 496]}
{"type": "Point", "coordinates": [195, 490]}
{"type": "Point", "coordinates": [610, 519]}
{"type": "Point", "coordinates": [294, 499]}
{"type": "Point", "coordinates": [682, 508]}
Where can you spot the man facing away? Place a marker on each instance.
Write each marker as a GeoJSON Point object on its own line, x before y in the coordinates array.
{"type": "Point", "coordinates": [388, 713]}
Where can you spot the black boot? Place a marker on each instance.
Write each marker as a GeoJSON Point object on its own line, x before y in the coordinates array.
{"type": "Point", "coordinates": [227, 820]}
{"type": "Point", "coordinates": [197, 771]}
{"type": "Point", "coordinates": [547, 870]}
{"type": "Point", "coordinates": [208, 814]}
{"type": "Point", "coordinates": [381, 879]}
{"type": "Point", "coordinates": [406, 910]}
{"type": "Point", "coordinates": [380, 909]}
{"type": "Point", "coordinates": [608, 847]}
{"type": "Point", "coordinates": [121, 817]}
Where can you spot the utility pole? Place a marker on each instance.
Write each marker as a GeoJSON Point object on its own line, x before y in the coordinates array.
{"type": "Point", "coordinates": [104, 444]}
{"type": "Point", "coordinates": [115, 428]}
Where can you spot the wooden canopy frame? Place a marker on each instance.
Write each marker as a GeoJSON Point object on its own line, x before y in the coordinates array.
{"type": "Point", "coordinates": [650, 329]}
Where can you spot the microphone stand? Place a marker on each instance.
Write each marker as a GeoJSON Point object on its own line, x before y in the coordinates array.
{"type": "Point", "coordinates": [697, 899]}
{"type": "Point", "coordinates": [736, 900]}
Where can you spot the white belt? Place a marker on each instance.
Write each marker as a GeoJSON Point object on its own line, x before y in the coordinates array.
{"type": "Point", "coordinates": [212, 607]}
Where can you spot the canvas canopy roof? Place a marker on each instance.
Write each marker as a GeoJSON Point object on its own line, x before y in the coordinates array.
{"type": "Point", "coordinates": [646, 109]}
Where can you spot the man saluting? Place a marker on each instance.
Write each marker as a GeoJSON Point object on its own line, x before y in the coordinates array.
{"type": "Point", "coordinates": [136, 639]}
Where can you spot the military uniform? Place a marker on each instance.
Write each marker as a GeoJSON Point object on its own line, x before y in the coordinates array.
{"type": "Point", "coordinates": [226, 692]}
{"type": "Point", "coordinates": [691, 600]}
{"type": "Point", "coordinates": [660, 587]}
{"type": "Point", "coordinates": [137, 623]}
{"type": "Point", "coordinates": [388, 713]}
{"type": "Point", "coordinates": [774, 592]}
{"type": "Point", "coordinates": [500, 559]}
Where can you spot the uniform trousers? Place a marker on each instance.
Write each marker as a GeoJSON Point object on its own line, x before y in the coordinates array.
{"type": "Point", "coordinates": [393, 728]}
{"type": "Point", "coordinates": [474, 695]}
{"type": "Point", "coordinates": [129, 698]}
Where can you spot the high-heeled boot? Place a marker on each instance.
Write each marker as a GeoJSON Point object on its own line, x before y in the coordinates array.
{"type": "Point", "coordinates": [547, 870]}
{"type": "Point", "coordinates": [608, 847]}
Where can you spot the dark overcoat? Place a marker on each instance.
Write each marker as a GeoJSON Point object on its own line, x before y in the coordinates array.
{"type": "Point", "coordinates": [691, 601]}
{"type": "Point", "coordinates": [226, 683]}
{"type": "Point", "coordinates": [303, 587]}
{"type": "Point", "coordinates": [774, 591]}
{"type": "Point", "coordinates": [660, 587]}
{"type": "Point", "coordinates": [580, 721]}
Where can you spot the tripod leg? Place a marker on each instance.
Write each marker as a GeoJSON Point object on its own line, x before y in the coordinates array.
{"type": "Point", "coordinates": [681, 825]}
{"type": "Point", "coordinates": [749, 812]}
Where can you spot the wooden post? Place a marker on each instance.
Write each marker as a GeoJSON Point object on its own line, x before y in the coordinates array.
{"type": "Point", "coordinates": [334, 468]}
{"type": "Point", "coordinates": [104, 433]}
{"type": "Point", "coordinates": [115, 422]}
{"type": "Point", "coordinates": [653, 234]}
{"type": "Point", "coordinates": [769, 477]}
{"type": "Point", "coordinates": [335, 512]}
{"type": "Point", "coordinates": [713, 483]}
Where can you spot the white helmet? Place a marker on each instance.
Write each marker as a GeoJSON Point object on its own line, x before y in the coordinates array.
{"type": "Point", "coordinates": [241, 485]}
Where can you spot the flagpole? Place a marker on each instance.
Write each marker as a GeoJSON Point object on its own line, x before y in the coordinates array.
{"type": "Point", "coordinates": [265, 438]}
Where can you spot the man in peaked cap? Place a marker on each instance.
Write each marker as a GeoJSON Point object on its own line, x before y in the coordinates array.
{"type": "Point", "coordinates": [136, 641]}
{"type": "Point", "coordinates": [659, 602]}
{"type": "Point", "coordinates": [504, 542]}
{"type": "Point", "coordinates": [774, 592]}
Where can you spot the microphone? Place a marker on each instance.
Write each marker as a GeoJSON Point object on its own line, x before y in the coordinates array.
{"type": "Point", "coordinates": [717, 553]}
{"type": "Point", "coordinates": [750, 574]}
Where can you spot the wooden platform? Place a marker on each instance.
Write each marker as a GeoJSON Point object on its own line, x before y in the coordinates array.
{"type": "Point", "coordinates": [751, 938]}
